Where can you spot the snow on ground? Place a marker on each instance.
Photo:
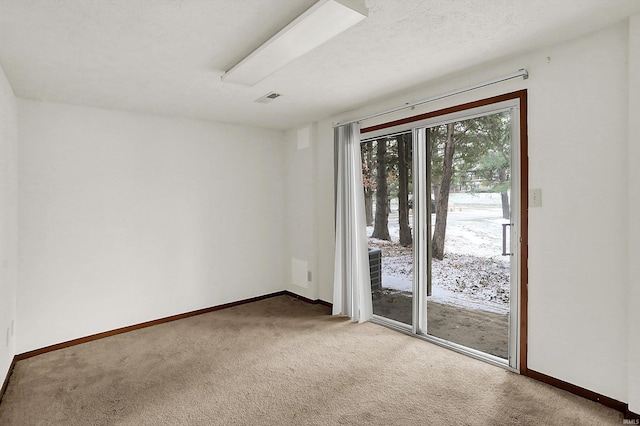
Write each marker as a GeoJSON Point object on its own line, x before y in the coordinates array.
{"type": "Point", "coordinates": [473, 273]}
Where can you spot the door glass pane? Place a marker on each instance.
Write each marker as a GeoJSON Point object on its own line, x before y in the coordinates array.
{"type": "Point", "coordinates": [387, 179]}
{"type": "Point", "coordinates": [468, 298]}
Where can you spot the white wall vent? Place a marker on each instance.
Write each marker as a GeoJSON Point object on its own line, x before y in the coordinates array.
{"type": "Point", "coordinates": [268, 98]}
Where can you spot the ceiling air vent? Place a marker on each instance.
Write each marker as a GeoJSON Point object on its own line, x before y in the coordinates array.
{"type": "Point", "coordinates": [268, 98]}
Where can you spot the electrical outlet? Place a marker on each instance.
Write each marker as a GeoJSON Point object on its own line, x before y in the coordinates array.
{"type": "Point", "coordinates": [8, 331]}
{"type": "Point", "coordinates": [309, 276]}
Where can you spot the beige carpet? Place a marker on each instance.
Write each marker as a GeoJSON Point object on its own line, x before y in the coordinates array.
{"type": "Point", "coordinates": [279, 361]}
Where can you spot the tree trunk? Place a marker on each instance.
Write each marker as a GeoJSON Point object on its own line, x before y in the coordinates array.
{"type": "Point", "coordinates": [368, 206]}
{"type": "Point", "coordinates": [381, 225]}
{"type": "Point", "coordinates": [435, 186]}
{"type": "Point", "coordinates": [504, 196]}
{"type": "Point", "coordinates": [442, 200]}
{"type": "Point", "coordinates": [436, 195]}
{"type": "Point", "coordinates": [368, 190]}
{"type": "Point", "coordinates": [506, 214]}
{"type": "Point", "coordinates": [403, 190]}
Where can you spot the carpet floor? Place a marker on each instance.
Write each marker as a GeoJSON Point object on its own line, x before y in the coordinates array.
{"type": "Point", "coordinates": [279, 361]}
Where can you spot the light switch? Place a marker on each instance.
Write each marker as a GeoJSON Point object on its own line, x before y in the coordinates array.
{"type": "Point", "coordinates": [535, 197]}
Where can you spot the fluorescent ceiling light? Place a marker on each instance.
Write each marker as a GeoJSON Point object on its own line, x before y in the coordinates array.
{"type": "Point", "coordinates": [323, 21]}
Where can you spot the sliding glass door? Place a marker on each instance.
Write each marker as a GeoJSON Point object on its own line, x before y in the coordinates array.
{"type": "Point", "coordinates": [469, 175]}
{"type": "Point", "coordinates": [387, 177]}
{"type": "Point", "coordinates": [442, 203]}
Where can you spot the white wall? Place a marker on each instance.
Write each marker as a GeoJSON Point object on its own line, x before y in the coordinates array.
{"type": "Point", "coordinates": [309, 212]}
{"type": "Point", "coordinates": [324, 200]}
{"type": "Point", "coordinates": [577, 264]}
{"type": "Point", "coordinates": [125, 218]}
{"type": "Point", "coordinates": [578, 132]}
{"type": "Point", "coordinates": [8, 223]}
{"type": "Point", "coordinates": [300, 212]}
{"type": "Point", "coordinates": [633, 300]}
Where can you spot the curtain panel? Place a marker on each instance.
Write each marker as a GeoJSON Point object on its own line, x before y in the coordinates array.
{"type": "Point", "coordinates": [352, 283]}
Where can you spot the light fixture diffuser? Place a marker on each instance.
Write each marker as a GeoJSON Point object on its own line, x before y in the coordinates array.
{"type": "Point", "coordinates": [323, 21]}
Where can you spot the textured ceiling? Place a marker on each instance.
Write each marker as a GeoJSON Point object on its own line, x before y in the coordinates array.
{"type": "Point", "coordinates": [167, 56]}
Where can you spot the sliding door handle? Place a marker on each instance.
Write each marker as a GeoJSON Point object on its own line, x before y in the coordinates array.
{"type": "Point", "coordinates": [504, 239]}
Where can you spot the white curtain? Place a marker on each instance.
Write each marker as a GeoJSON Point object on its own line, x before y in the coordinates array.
{"type": "Point", "coordinates": [352, 284]}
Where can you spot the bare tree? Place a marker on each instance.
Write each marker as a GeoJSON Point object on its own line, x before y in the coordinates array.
{"type": "Point", "coordinates": [368, 180]}
{"type": "Point", "coordinates": [442, 197]}
{"type": "Point", "coordinates": [381, 225]}
{"type": "Point", "coordinates": [404, 163]}
{"type": "Point", "coordinates": [504, 196]}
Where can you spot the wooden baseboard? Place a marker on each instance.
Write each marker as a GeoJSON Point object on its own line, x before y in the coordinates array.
{"type": "Point", "coordinates": [629, 415]}
{"type": "Point", "coordinates": [577, 390]}
{"type": "Point", "coordinates": [6, 379]}
{"type": "Point", "coordinates": [305, 299]}
{"type": "Point", "coordinates": [102, 335]}
{"type": "Point", "coordinates": [161, 321]}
